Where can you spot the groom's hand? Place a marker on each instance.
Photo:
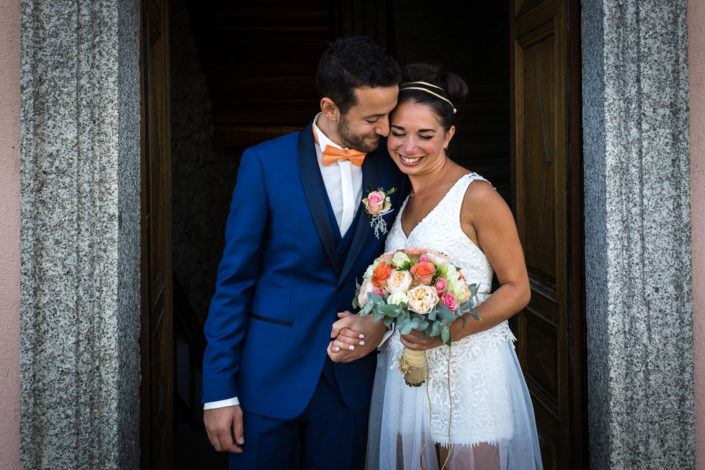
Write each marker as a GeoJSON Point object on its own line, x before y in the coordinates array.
{"type": "Point", "coordinates": [353, 337]}
{"type": "Point", "coordinates": [221, 425]}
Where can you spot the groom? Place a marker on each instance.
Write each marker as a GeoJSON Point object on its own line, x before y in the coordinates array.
{"type": "Point", "coordinates": [282, 369]}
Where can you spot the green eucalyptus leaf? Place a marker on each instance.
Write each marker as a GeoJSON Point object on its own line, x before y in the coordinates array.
{"type": "Point", "coordinates": [445, 335]}
{"type": "Point", "coordinates": [445, 313]}
{"type": "Point", "coordinates": [404, 315]}
{"type": "Point", "coordinates": [433, 313]}
{"type": "Point", "coordinates": [388, 321]}
{"type": "Point", "coordinates": [405, 328]}
{"type": "Point", "coordinates": [376, 298]}
{"type": "Point", "coordinates": [436, 328]}
{"type": "Point", "coordinates": [390, 310]}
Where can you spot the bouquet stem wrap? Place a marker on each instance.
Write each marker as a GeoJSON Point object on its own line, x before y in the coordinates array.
{"type": "Point", "coordinates": [413, 365]}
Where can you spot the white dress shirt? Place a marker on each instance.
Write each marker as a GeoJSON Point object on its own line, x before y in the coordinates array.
{"type": "Point", "coordinates": [343, 182]}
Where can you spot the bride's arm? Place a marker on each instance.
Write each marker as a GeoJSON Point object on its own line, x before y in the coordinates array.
{"type": "Point", "coordinates": [487, 220]}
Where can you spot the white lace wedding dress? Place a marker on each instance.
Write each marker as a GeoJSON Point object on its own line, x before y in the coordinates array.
{"type": "Point", "coordinates": [492, 425]}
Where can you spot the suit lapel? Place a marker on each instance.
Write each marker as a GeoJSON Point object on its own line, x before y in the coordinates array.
{"type": "Point", "coordinates": [370, 170]}
{"type": "Point", "coordinates": [315, 192]}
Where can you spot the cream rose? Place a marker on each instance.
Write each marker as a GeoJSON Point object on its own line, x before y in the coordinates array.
{"type": "Point", "coordinates": [399, 281]}
{"type": "Point", "coordinates": [422, 299]}
{"type": "Point", "coordinates": [400, 258]}
{"type": "Point", "coordinates": [397, 298]}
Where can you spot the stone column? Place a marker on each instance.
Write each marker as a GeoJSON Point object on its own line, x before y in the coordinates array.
{"type": "Point", "coordinates": [80, 206]}
{"type": "Point", "coordinates": [637, 240]}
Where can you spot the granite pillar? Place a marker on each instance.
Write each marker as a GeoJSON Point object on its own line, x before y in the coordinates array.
{"type": "Point", "coordinates": [80, 206]}
{"type": "Point", "coordinates": [638, 234]}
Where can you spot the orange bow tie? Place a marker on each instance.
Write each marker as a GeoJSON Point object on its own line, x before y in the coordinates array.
{"type": "Point", "coordinates": [332, 154]}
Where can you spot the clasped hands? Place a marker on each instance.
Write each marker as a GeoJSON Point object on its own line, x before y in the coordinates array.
{"type": "Point", "coordinates": [354, 336]}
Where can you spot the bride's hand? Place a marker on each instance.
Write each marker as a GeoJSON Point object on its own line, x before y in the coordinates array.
{"type": "Point", "coordinates": [414, 341]}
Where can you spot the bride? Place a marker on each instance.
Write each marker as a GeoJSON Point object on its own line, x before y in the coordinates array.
{"type": "Point", "coordinates": [474, 411]}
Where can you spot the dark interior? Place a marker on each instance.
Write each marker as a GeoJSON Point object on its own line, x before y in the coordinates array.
{"type": "Point", "coordinates": [244, 72]}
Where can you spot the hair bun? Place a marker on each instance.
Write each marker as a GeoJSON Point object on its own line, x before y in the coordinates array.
{"type": "Point", "coordinates": [436, 74]}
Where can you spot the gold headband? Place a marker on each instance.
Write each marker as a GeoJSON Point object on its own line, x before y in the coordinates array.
{"type": "Point", "coordinates": [405, 86]}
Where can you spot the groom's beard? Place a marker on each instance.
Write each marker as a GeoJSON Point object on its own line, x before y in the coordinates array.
{"type": "Point", "coordinates": [363, 143]}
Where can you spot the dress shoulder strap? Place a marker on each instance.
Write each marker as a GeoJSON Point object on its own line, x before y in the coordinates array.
{"type": "Point", "coordinates": [461, 187]}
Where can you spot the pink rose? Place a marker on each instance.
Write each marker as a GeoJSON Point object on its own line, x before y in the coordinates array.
{"type": "Point", "coordinates": [378, 291]}
{"type": "Point", "coordinates": [375, 202]}
{"type": "Point", "coordinates": [450, 301]}
{"type": "Point", "coordinates": [424, 258]}
{"type": "Point", "coordinates": [387, 256]}
{"type": "Point", "coordinates": [440, 285]}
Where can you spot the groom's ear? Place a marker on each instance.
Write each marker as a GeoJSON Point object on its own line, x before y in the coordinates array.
{"type": "Point", "coordinates": [330, 109]}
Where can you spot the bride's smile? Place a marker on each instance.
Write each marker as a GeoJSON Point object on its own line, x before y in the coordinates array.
{"type": "Point", "coordinates": [417, 140]}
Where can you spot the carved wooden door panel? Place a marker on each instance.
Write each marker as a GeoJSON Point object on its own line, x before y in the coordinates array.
{"type": "Point", "coordinates": [550, 350]}
{"type": "Point", "coordinates": [156, 341]}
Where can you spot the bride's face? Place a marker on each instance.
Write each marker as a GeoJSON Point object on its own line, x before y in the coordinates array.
{"type": "Point", "coordinates": [417, 140]}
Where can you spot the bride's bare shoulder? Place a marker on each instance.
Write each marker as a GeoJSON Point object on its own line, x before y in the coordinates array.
{"type": "Point", "coordinates": [481, 198]}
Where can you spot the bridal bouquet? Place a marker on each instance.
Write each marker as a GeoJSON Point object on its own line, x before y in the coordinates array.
{"type": "Point", "coordinates": [416, 289]}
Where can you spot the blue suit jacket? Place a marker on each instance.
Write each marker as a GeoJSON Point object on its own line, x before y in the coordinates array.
{"type": "Point", "coordinates": [280, 281]}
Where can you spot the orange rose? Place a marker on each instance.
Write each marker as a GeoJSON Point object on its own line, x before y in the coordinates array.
{"type": "Point", "coordinates": [424, 272]}
{"type": "Point", "coordinates": [381, 274]}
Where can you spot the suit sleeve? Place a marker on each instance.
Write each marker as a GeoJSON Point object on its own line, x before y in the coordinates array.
{"type": "Point", "coordinates": [237, 275]}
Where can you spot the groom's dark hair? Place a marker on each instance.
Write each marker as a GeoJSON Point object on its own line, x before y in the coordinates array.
{"type": "Point", "coordinates": [354, 62]}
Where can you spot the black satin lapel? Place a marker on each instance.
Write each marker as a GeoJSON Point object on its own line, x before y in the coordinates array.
{"type": "Point", "coordinates": [314, 190]}
{"type": "Point", "coordinates": [370, 171]}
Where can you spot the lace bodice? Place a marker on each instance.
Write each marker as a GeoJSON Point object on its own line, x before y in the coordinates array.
{"type": "Point", "coordinates": [440, 230]}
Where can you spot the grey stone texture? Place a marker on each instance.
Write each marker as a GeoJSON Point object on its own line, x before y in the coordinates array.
{"type": "Point", "coordinates": [637, 239]}
{"type": "Point", "coordinates": [80, 206]}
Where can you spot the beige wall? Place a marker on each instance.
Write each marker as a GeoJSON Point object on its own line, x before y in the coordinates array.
{"type": "Point", "coordinates": [696, 59]}
{"type": "Point", "coordinates": [10, 234]}
{"type": "Point", "coordinates": [10, 222]}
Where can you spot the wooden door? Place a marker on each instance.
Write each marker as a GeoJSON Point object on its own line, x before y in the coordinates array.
{"type": "Point", "coordinates": [546, 193]}
{"type": "Point", "coordinates": [156, 340]}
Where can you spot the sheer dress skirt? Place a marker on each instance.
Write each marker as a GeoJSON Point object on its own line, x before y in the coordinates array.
{"type": "Point", "coordinates": [487, 418]}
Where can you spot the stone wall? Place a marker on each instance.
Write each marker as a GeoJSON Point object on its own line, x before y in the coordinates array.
{"type": "Point", "coordinates": [637, 242]}
{"type": "Point", "coordinates": [80, 206]}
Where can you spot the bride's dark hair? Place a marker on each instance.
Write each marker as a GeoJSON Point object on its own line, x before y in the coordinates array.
{"type": "Point", "coordinates": [446, 93]}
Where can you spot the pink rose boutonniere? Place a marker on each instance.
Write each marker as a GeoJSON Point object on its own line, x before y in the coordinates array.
{"type": "Point", "coordinates": [377, 204]}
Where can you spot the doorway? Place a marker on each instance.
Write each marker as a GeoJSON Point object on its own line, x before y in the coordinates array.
{"type": "Point", "coordinates": [243, 73]}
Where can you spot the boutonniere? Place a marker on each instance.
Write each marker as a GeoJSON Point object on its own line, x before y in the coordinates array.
{"type": "Point", "coordinates": [377, 204]}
